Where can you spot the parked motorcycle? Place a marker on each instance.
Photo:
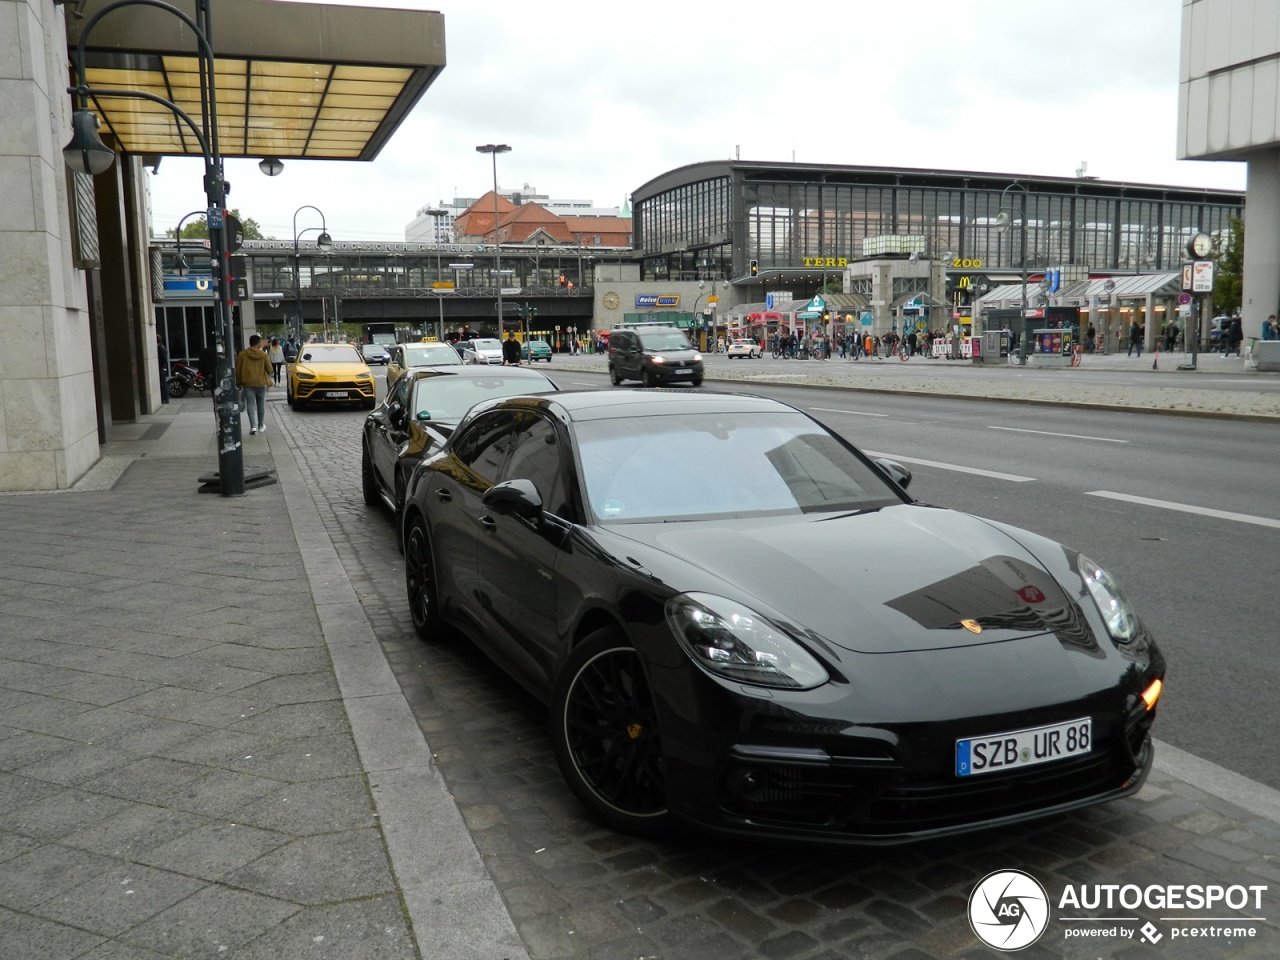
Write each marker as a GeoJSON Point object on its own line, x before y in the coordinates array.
{"type": "Point", "coordinates": [184, 378]}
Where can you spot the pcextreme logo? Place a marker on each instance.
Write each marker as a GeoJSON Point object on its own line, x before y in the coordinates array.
{"type": "Point", "coordinates": [1009, 910]}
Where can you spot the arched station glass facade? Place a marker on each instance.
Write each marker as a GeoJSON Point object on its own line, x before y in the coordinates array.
{"type": "Point", "coordinates": [713, 219]}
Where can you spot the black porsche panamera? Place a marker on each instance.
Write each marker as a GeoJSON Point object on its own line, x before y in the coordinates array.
{"type": "Point", "coordinates": [668, 572]}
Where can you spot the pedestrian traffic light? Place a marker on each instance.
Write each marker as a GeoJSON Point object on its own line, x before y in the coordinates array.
{"type": "Point", "coordinates": [755, 267]}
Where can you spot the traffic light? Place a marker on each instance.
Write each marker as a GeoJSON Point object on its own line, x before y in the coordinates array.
{"type": "Point", "coordinates": [755, 267]}
{"type": "Point", "coordinates": [826, 316]}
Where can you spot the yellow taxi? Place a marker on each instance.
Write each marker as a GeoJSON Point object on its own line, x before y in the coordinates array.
{"type": "Point", "coordinates": [329, 373]}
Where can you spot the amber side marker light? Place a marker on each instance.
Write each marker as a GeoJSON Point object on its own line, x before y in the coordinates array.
{"type": "Point", "coordinates": [1152, 693]}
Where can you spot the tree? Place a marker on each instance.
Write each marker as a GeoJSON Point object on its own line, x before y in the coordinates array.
{"type": "Point", "coordinates": [198, 229]}
{"type": "Point", "coordinates": [1228, 274]}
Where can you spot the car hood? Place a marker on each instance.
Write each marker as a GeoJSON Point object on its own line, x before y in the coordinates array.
{"type": "Point", "coordinates": [897, 579]}
{"type": "Point", "coordinates": [332, 371]}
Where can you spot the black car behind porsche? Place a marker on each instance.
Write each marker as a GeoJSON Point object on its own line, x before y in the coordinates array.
{"type": "Point", "coordinates": [668, 572]}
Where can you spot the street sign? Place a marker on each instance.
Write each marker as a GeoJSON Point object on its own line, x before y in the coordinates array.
{"type": "Point", "coordinates": [713, 299]}
{"type": "Point", "coordinates": [443, 285]}
{"type": "Point", "coordinates": [1202, 276]}
{"type": "Point", "coordinates": [1184, 299]}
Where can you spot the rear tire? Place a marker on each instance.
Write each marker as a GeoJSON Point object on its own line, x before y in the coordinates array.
{"type": "Point", "coordinates": [177, 388]}
{"type": "Point", "coordinates": [613, 376]}
{"type": "Point", "coordinates": [420, 581]}
{"type": "Point", "coordinates": [368, 482]}
{"type": "Point", "coordinates": [604, 728]}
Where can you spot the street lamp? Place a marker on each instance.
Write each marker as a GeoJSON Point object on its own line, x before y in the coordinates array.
{"type": "Point", "coordinates": [724, 285]}
{"type": "Point", "coordinates": [493, 149]}
{"type": "Point", "coordinates": [439, 278]}
{"type": "Point", "coordinates": [87, 154]}
{"type": "Point", "coordinates": [324, 243]}
{"type": "Point", "coordinates": [1003, 221]}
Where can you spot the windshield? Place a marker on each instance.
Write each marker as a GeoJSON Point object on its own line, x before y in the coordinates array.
{"type": "Point", "coordinates": [330, 353]}
{"type": "Point", "coordinates": [448, 398]}
{"type": "Point", "coordinates": [667, 340]}
{"type": "Point", "coordinates": [701, 465]}
{"type": "Point", "coordinates": [432, 355]}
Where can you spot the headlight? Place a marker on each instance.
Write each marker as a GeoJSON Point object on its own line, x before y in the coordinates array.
{"type": "Point", "coordinates": [304, 375]}
{"type": "Point", "coordinates": [657, 359]}
{"type": "Point", "coordinates": [364, 376]}
{"type": "Point", "coordinates": [736, 643]}
{"type": "Point", "coordinates": [697, 357]}
{"type": "Point", "coordinates": [1121, 621]}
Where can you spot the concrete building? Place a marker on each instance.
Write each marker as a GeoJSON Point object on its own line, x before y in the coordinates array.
{"type": "Point", "coordinates": [1229, 109]}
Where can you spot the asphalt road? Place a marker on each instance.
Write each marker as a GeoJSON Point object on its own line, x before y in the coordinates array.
{"type": "Point", "coordinates": [1203, 581]}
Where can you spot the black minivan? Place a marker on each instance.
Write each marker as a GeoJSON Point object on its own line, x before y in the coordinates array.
{"type": "Point", "coordinates": [655, 355]}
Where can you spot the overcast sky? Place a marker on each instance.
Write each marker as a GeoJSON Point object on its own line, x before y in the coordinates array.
{"type": "Point", "coordinates": [596, 99]}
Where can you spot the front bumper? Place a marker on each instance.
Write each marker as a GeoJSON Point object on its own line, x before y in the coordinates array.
{"type": "Point", "coordinates": [799, 778]}
{"type": "Point", "coordinates": [316, 391]}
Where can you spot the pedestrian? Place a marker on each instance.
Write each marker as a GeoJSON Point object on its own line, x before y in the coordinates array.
{"type": "Point", "coordinates": [1090, 339]}
{"type": "Point", "coordinates": [276, 356]}
{"type": "Point", "coordinates": [290, 348]}
{"type": "Point", "coordinates": [162, 355]}
{"type": "Point", "coordinates": [1235, 334]}
{"type": "Point", "coordinates": [510, 351]}
{"type": "Point", "coordinates": [253, 376]}
{"type": "Point", "coordinates": [1269, 330]}
{"type": "Point", "coordinates": [1135, 339]}
{"type": "Point", "coordinates": [1170, 335]}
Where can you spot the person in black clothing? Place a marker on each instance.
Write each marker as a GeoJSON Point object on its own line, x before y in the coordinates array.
{"type": "Point", "coordinates": [162, 354]}
{"type": "Point", "coordinates": [511, 350]}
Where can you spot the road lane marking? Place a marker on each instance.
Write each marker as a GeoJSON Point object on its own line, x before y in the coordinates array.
{"type": "Point", "coordinates": [951, 466]}
{"type": "Point", "coordinates": [854, 413]}
{"type": "Point", "coordinates": [583, 383]}
{"type": "Point", "coordinates": [1049, 433]}
{"type": "Point", "coordinates": [1186, 508]}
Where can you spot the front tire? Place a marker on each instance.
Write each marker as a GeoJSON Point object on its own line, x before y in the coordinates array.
{"type": "Point", "coordinates": [177, 387]}
{"type": "Point", "coordinates": [604, 728]}
{"type": "Point", "coordinates": [613, 376]}
{"type": "Point", "coordinates": [650, 379]}
{"type": "Point", "coordinates": [420, 581]}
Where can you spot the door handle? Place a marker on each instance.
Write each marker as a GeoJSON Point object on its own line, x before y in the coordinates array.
{"type": "Point", "coordinates": [487, 522]}
{"type": "Point", "coordinates": [443, 495]}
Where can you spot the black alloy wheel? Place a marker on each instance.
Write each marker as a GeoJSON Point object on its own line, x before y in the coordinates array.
{"type": "Point", "coordinates": [368, 482]}
{"type": "Point", "coordinates": [420, 581]}
{"type": "Point", "coordinates": [604, 728]}
{"type": "Point", "coordinates": [650, 378]}
{"type": "Point", "coordinates": [177, 387]}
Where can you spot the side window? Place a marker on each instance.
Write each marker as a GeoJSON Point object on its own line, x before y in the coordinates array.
{"type": "Point", "coordinates": [536, 456]}
{"type": "Point", "coordinates": [486, 443]}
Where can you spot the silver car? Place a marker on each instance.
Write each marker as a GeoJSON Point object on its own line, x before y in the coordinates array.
{"type": "Point", "coordinates": [480, 350]}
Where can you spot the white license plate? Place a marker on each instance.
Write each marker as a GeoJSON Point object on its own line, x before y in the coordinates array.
{"type": "Point", "coordinates": [680, 373]}
{"type": "Point", "coordinates": [335, 394]}
{"type": "Point", "coordinates": [1023, 748]}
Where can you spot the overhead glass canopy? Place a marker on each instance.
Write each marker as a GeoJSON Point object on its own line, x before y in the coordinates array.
{"type": "Point", "coordinates": [295, 80]}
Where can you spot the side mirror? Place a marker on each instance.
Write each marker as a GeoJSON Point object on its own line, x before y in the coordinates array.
{"type": "Point", "coordinates": [395, 413]}
{"type": "Point", "coordinates": [895, 472]}
{"type": "Point", "coordinates": [518, 498]}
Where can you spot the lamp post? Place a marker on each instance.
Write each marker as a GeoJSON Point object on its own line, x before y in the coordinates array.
{"type": "Point", "coordinates": [439, 279]}
{"type": "Point", "coordinates": [324, 243]}
{"type": "Point", "coordinates": [86, 153]}
{"type": "Point", "coordinates": [1003, 220]}
{"type": "Point", "coordinates": [493, 149]}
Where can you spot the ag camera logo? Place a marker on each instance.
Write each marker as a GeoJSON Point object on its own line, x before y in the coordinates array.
{"type": "Point", "coordinates": [1008, 910]}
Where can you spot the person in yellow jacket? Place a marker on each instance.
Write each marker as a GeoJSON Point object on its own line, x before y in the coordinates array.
{"type": "Point", "coordinates": [253, 376]}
